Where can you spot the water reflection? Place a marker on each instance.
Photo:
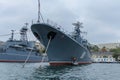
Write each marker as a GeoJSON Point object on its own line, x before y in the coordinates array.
{"type": "Point", "coordinates": [57, 73]}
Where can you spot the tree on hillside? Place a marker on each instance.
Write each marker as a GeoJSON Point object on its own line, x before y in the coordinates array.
{"type": "Point", "coordinates": [104, 49]}
{"type": "Point", "coordinates": [94, 48]}
{"type": "Point", "coordinates": [116, 53]}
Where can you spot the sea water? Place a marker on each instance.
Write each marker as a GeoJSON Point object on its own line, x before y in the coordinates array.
{"type": "Point", "coordinates": [43, 71]}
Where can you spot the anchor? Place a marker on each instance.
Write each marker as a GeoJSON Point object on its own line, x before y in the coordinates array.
{"type": "Point", "coordinates": [74, 61]}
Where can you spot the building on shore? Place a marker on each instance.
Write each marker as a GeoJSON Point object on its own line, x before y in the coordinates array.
{"type": "Point", "coordinates": [109, 45]}
{"type": "Point", "coordinates": [103, 57]}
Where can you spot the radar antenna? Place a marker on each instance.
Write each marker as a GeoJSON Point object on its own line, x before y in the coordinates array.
{"type": "Point", "coordinates": [78, 24]}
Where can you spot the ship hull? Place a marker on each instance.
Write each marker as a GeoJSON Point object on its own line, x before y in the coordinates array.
{"type": "Point", "coordinates": [18, 58]}
{"type": "Point", "coordinates": [62, 50]}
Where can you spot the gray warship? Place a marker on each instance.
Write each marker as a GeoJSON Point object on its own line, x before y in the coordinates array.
{"type": "Point", "coordinates": [19, 50]}
{"type": "Point", "coordinates": [62, 48]}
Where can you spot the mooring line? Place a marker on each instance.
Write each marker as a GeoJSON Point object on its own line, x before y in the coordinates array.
{"type": "Point", "coordinates": [46, 50]}
{"type": "Point", "coordinates": [27, 57]}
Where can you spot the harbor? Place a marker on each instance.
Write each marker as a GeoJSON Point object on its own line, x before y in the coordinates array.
{"type": "Point", "coordinates": [71, 40]}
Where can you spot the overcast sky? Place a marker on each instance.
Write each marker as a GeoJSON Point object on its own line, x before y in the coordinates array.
{"type": "Point", "coordinates": [101, 18]}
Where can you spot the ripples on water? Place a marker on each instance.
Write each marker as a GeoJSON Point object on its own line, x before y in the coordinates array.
{"type": "Point", "coordinates": [14, 71]}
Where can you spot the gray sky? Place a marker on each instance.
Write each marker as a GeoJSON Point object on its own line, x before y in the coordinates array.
{"type": "Point", "coordinates": [101, 18]}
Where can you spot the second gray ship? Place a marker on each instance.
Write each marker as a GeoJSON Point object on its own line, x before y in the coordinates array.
{"type": "Point", "coordinates": [20, 50]}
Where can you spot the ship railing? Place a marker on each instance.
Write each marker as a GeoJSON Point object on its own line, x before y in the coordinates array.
{"type": "Point", "coordinates": [55, 25]}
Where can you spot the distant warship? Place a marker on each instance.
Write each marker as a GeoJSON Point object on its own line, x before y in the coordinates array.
{"type": "Point", "coordinates": [18, 50]}
{"type": "Point", "coordinates": [62, 48]}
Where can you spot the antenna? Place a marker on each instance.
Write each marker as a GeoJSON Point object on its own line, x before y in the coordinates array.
{"type": "Point", "coordinates": [38, 11]}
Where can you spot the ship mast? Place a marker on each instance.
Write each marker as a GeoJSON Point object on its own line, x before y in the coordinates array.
{"type": "Point", "coordinates": [77, 31]}
{"type": "Point", "coordinates": [12, 35]}
{"type": "Point", "coordinates": [39, 13]}
{"type": "Point", "coordinates": [23, 32]}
